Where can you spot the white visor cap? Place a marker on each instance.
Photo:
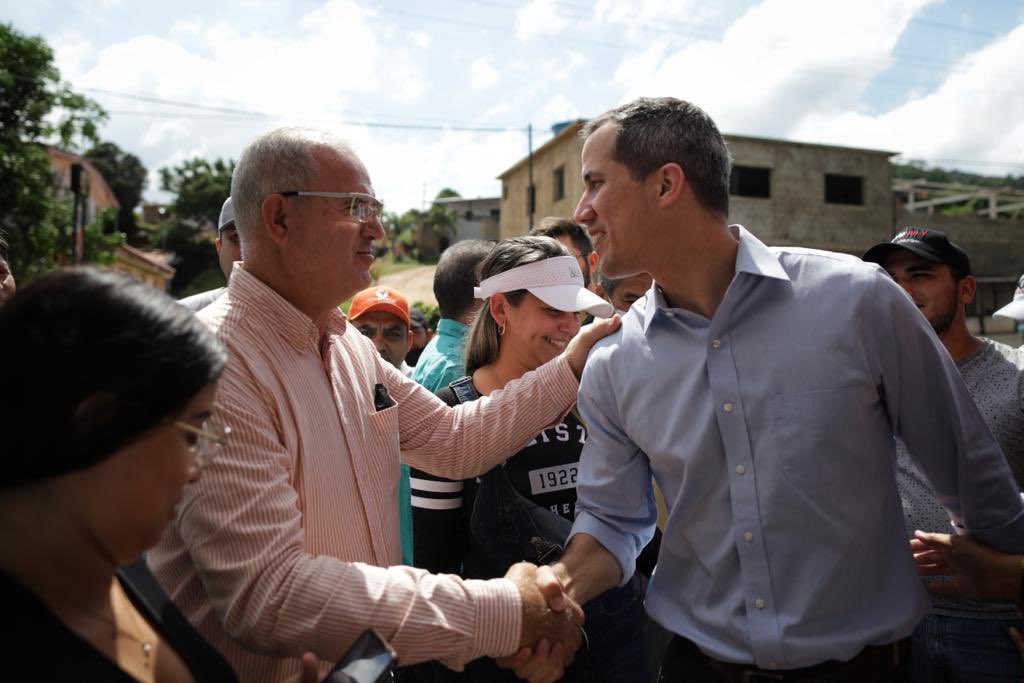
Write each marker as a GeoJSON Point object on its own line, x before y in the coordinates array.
{"type": "Point", "coordinates": [1014, 309]}
{"type": "Point", "coordinates": [557, 281]}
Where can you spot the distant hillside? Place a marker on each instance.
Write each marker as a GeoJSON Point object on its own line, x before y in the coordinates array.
{"type": "Point", "coordinates": [917, 169]}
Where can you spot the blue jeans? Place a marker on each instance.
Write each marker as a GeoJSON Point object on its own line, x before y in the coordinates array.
{"type": "Point", "coordinates": [960, 650]}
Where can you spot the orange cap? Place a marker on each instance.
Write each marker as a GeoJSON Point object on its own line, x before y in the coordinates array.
{"type": "Point", "coordinates": [379, 299]}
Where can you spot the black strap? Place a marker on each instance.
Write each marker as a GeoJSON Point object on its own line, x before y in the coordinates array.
{"type": "Point", "coordinates": [205, 663]}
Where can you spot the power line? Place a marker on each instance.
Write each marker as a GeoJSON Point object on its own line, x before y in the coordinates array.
{"type": "Point", "coordinates": [237, 113]}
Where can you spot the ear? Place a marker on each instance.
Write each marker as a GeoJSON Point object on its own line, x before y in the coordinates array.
{"type": "Point", "coordinates": [498, 308]}
{"type": "Point", "coordinates": [216, 244]}
{"type": "Point", "coordinates": [592, 259]}
{"type": "Point", "coordinates": [670, 181]}
{"type": "Point", "coordinates": [968, 287]}
{"type": "Point", "coordinates": [274, 213]}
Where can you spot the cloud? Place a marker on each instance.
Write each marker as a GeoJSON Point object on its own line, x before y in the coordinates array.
{"type": "Point", "coordinates": [482, 75]}
{"type": "Point", "coordinates": [976, 114]}
{"type": "Point", "coordinates": [776, 64]}
{"type": "Point", "coordinates": [537, 18]}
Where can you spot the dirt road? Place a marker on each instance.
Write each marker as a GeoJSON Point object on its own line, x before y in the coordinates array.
{"type": "Point", "coordinates": [417, 284]}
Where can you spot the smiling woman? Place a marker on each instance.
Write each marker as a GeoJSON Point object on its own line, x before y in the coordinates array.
{"type": "Point", "coordinates": [105, 416]}
{"type": "Point", "coordinates": [523, 509]}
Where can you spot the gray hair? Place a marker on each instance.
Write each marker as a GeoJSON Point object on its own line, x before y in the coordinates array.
{"type": "Point", "coordinates": [278, 160]}
{"type": "Point", "coordinates": [484, 340]}
{"type": "Point", "coordinates": [653, 132]}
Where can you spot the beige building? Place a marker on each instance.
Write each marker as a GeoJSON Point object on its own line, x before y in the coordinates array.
{"type": "Point", "coordinates": [97, 192]}
{"type": "Point", "coordinates": [151, 267]}
{"type": "Point", "coordinates": [822, 196]}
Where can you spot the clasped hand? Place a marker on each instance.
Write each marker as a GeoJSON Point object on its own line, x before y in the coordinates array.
{"type": "Point", "coordinates": [552, 625]}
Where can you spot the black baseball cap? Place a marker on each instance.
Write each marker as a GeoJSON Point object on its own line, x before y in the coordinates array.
{"type": "Point", "coordinates": [928, 244]}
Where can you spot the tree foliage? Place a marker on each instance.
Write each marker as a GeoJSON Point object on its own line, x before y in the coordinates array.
{"type": "Point", "coordinates": [126, 176]}
{"type": "Point", "coordinates": [36, 109]}
{"type": "Point", "coordinates": [916, 169]}
{"type": "Point", "coordinates": [200, 188]}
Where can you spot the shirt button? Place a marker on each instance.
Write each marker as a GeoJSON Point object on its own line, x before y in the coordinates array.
{"type": "Point", "coordinates": [727, 407]}
{"type": "Point", "coordinates": [740, 469]}
{"type": "Point", "coordinates": [748, 537]}
{"type": "Point", "coordinates": [759, 603]}
{"type": "Point", "coordinates": [716, 344]}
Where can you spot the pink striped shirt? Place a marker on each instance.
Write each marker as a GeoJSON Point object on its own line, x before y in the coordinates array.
{"type": "Point", "coordinates": [285, 544]}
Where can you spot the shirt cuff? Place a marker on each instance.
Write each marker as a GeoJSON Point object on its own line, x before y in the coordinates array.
{"type": "Point", "coordinates": [499, 618]}
{"type": "Point", "coordinates": [620, 545]}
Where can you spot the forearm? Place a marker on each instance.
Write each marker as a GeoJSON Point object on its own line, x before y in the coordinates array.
{"type": "Point", "coordinates": [587, 569]}
{"type": "Point", "coordinates": [470, 439]}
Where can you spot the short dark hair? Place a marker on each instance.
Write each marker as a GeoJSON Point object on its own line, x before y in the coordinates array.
{"type": "Point", "coordinates": [555, 227]}
{"type": "Point", "coordinates": [654, 131]}
{"type": "Point", "coordinates": [456, 276]}
{"type": "Point", "coordinates": [5, 248]}
{"type": "Point", "coordinates": [94, 358]}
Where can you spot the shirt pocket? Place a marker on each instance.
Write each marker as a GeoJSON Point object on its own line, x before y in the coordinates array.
{"type": "Point", "coordinates": [812, 435]}
{"type": "Point", "coordinates": [384, 442]}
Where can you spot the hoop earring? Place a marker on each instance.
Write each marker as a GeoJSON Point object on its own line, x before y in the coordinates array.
{"type": "Point", "coordinates": [501, 330]}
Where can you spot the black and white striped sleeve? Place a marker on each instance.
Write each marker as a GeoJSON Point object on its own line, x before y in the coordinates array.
{"type": "Point", "coordinates": [437, 522]}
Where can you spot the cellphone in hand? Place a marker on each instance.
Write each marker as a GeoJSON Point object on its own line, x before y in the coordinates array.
{"type": "Point", "coordinates": [369, 660]}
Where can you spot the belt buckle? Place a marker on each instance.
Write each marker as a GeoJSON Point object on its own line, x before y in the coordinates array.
{"type": "Point", "coordinates": [753, 676]}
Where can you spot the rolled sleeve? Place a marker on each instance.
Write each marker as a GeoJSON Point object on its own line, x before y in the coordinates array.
{"type": "Point", "coordinates": [615, 500]}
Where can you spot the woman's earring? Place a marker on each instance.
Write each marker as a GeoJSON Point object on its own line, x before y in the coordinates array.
{"type": "Point", "coordinates": [501, 330]}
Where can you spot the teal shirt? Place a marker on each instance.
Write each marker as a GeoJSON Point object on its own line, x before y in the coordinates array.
{"type": "Point", "coordinates": [440, 363]}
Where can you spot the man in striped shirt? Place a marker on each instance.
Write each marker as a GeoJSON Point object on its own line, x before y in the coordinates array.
{"type": "Point", "coordinates": [287, 542]}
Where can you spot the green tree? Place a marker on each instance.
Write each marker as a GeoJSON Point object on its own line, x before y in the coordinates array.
{"type": "Point", "coordinates": [200, 188]}
{"type": "Point", "coordinates": [126, 176]}
{"type": "Point", "coordinates": [36, 109]}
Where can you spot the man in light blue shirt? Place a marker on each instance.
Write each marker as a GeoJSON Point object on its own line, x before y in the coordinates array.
{"type": "Point", "coordinates": [442, 360]}
{"type": "Point", "coordinates": [761, 387]}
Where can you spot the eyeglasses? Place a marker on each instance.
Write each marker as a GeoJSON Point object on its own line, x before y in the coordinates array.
{"type": "Point", "coordinates": [210, 440]}
{"type": "Point", "coordinates": [362, 207]}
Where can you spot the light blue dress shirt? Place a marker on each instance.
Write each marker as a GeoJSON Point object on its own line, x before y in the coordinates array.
{"type": "Point", "coordinates": [769, 429]}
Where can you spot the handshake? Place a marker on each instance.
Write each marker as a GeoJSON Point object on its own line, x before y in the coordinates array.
{"type": "Point", "coordinates": [552, 625]}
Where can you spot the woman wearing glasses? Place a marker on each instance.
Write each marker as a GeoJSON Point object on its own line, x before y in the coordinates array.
{"type": "Point", "coordinates": [105, 412]}
{"type": "Point", "coordinates": [523, 510]}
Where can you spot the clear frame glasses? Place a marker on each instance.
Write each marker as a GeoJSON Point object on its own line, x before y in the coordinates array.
{"type": "Point", "coordinates": [362, 207]}
{"type": "Point", "coordinates": [210, 440]}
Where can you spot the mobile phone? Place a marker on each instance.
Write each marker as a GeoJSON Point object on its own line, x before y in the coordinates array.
{"type": "Point", "coordinates": [369, 660]}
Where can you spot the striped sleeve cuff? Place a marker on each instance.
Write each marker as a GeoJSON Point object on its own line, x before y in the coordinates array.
{"type": "Point", "coordinates": [499, 618]}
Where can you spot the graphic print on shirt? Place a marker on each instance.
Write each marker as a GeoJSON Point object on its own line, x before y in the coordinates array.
{"type": "Point", "coordinates": [546, 469]}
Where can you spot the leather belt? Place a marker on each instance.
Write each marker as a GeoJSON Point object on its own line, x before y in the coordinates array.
{"type": "Point", "coordinates": [871, 663]}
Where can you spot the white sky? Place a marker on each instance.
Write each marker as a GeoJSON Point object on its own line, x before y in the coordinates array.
{"type": "Point", "coordinates": [935, 80]}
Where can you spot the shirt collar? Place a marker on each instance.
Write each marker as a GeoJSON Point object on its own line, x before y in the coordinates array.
{"type": "Point", "coordinates": [284, 319]}
{"type": "Point", "coordinates": [451, 327]}
{"type": "Point", "coordinates": [752, 257]}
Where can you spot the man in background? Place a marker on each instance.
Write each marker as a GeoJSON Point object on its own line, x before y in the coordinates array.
{"type": "Point", "coordinates": [229, 250]}
{"type": "Point", "coordinates": [7, 283]}
{"type": "Point", "coordinates": [420, 335]}
{"type": "Point", "coordinates": [382, 315]}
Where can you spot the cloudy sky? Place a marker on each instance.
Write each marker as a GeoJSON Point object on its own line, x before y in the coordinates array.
{"type": "Point", "coordinates": [440, 94]}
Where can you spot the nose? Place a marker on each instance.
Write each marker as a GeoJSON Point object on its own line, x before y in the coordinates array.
{"type": "Point", "coordinates": [584, 212]}
{"type": "Point", "coordinates": [373, 229]}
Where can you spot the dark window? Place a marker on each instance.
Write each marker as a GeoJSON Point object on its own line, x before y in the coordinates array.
{"type": "Point", "coordinates": [495, 213]}
{"type": "Point", "coordinates": [469, 214]}
{"type": "Point", "coordinates": [559, 182]}
{"type": "Point", "coordinates": [750, 181]}
{"type": "Point", "coordinates": [844, 189]}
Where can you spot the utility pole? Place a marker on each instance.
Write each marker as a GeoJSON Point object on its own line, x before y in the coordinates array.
{"type": "Point", "coordinates": [530, 203]}
{"type": "Point", "coordinates": [77, 247]}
